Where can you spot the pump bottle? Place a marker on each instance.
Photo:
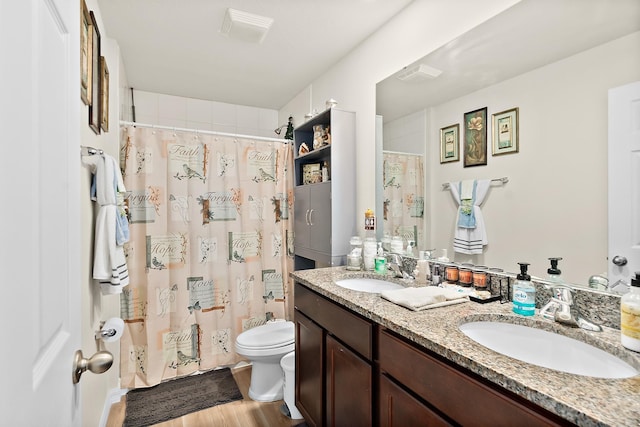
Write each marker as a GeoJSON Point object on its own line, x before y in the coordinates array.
{"type": "Point", "coordinates": [630, 316]}
{"type": "Point", "coordinates": [524, 293]}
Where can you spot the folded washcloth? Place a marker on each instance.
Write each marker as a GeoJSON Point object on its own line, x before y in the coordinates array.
{"type": "Point", "coordinates": [466, 217]}
{"type": "Point", "coordinates": [422, 298]}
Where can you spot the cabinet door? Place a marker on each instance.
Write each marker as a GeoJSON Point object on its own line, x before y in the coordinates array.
{"type": "Point", "coordinates": [320, 217]}
{"type": "Point", "coordinates": [301, 218]}
{"type": "Point", "coordinates": [400, 409]}
{"type": "Point", "coordinates": [309, 369]}
{"type": "Point", "coordinates": [348, 382]}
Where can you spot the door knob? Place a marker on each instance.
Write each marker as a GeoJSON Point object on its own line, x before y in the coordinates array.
{"type": "Point", "coordinates": [619, 260]}
{"type": "Point", "coordinates": [98, 363]}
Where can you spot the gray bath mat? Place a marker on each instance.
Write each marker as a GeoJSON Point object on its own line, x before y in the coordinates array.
{"type": "Point", "coordinates": [175, 398]}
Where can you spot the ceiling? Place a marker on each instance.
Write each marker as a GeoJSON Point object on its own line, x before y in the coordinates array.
{"type": "Point", "coordinates": [176, 48]}
{"type": "Point", "coordinates": [531, 34]}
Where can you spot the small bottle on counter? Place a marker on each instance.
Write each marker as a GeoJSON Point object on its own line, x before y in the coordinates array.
{"type": "Point", "coordinates": [465, 277]}
{"type": "Point", "coordinates": [524, 293]}
{"type": "Point", "coordinates": [451, 273]}
{"type": "Point", "coordinates": [630, 315]}
{"type": "Point", "coordinates": [480, 277]}
{"type": "Point", "coordinates": [369, 253]}
{"type": "Point", "coordinates": [381, 261]}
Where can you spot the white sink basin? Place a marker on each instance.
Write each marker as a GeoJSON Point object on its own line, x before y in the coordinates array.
{"type": "Point", "coordinates": [364, 284]}
{"type": "Point", "coordinates": [547, 349]}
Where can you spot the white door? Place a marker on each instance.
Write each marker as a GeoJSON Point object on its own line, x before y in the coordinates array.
{"type": "Point", "coordinates": [624, 182]}
{"type": "Point", "coordinates": [40, 211]}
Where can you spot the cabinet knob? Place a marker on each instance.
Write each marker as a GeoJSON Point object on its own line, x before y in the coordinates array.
{"type": "Point", "coordinates": [619, 260]}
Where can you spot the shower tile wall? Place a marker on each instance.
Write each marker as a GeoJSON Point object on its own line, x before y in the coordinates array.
{"type": "Point", "coordinates": [191, 113]}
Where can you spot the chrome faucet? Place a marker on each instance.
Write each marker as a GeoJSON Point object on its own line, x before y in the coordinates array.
{"type": "Point", "coordinates": [395, 265]}
{"type": "Point", "coordinates": [561, 308]}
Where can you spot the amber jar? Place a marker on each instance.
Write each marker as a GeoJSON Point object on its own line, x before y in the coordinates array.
{"type": "Point", "coordinates": [451, 273]}
{"type": "Point", "coordinates": [465, 277]}
{"type": "Point", "coordinates": [480, 278]}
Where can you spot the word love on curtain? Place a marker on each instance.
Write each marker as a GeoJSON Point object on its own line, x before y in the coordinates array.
{"type": "Point", "coordinates": [210, 250]}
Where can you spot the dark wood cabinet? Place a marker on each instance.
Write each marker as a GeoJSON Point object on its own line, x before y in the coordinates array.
{"type": "Point", "coordinates": [334, 375]}
{"type": "Point", "coordinates": [349, 383]}
{"type": "Point", "coordinates": [398, 408]}
{"type": "Point", "coordinates": [460, 395]}
{"type": "Point", "coordinates": [309, 369]}
{"type": "Point", "coordinates": [351, 371]}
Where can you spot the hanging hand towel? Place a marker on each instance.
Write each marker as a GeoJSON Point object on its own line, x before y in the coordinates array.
{"type": "Point", "coordinates": [109, 263]}
{"type": "Point", "coordinates": [471, 240]}
{"type": "Point", "coordinates": [424, 298]}
{"type": "Point", "coordinates": [466, 216]}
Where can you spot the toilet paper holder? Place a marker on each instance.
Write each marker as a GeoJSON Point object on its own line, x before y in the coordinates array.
{"type": "Point", "coordinates": [110, 330]}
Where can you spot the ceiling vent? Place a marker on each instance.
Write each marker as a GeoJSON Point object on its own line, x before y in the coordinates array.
{"type": "Point", "coordinates": [245, 26]}
{"type": "Point", "coordinates": [418, 73]}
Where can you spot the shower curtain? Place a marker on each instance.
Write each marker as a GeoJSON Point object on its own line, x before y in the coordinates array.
{"type": "Point", "coordinates": [210, 250]}
{"type": "Point", "coordinates": [403, 205]}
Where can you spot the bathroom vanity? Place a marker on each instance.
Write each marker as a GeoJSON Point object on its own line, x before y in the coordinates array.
{"type": "Point", "coordinates": [362, 360]}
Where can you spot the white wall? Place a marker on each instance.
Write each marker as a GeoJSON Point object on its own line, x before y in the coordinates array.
{"type": "Point", "coordinates": [555, 203]}
{"type": "Point", "coordinates": [180, 112]}
{"type": "Point", "coordinates": [406, 134]}
{"type": "Point", "coordinates": [423, 26]}
{"type": "Point", "coordinates": [96, 307]}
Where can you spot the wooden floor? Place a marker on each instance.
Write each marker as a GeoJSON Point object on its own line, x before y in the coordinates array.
{"type": "Point", "coordinates": [245, 412]}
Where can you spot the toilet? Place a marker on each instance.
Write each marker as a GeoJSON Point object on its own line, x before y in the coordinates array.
{"type": "Point", "coordinates": [265, 346]}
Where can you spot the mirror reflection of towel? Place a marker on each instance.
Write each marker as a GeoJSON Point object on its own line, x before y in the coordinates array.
{"type": "Point", "coordinates": [466, 217]}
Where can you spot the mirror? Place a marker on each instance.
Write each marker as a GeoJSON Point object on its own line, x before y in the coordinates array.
{"type": "Point", "coordinates": [547, 60]}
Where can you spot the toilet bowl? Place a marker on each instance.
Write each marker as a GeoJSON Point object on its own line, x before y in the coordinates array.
{"type": "Point", "coordinates": [265, 346]}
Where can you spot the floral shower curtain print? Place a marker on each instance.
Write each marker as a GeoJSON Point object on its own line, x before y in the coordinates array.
{"type": "Point", "coordinates": [210, 249]}
{"type": "Point", "coordinates": [403, 206]}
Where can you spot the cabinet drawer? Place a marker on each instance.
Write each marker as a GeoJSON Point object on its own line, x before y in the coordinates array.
{"type": "Point", "coordinates": [399, 409]}
{"type": "Point", "coordinates": [351, 329]}
{"type": "Point", "coordinates": [465, 399]}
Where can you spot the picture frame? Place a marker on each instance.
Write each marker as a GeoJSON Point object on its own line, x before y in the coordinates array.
{"type": "Point", "coordinates": [450, 143]}
{"type": "Point", "coordinates": [475, 137]}
{"type": "Point", "coordinates": [94, 107]}
{"type": "Point", "coordinates": [505, 132]}
{"type": "Point", "coordinates": [85, 53]}
{"type": "Point", "coordinates": [104, 95]}
{"type": "Point", "coordinates": [311, 173]}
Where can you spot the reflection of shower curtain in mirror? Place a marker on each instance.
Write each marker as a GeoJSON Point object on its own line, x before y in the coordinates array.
{"type": "Point", "coordinates": [403, 181]}
{"type": "Point", "coordinates": [210, 249]}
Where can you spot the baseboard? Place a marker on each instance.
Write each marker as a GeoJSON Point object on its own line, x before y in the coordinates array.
{"type": "Point", "coordinates": [113, 396]}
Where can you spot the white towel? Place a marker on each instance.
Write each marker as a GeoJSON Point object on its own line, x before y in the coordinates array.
{"type": "Point", "coordinates": [471, 240]}
{"type": "Point", "coordinates": [109, 263]}
{"type": "Point", "coordinates": [466, 189]}
{"type": "Point", "coordinates": [423, 298]}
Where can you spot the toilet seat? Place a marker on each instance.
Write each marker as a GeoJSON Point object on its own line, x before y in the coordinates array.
{"type": "Point", "coordinates": [270, 336]}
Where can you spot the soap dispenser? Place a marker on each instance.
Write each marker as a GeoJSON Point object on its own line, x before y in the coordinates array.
{"type": "Point", "coordinates": [630, 316]}
{"type": "Point", "coordinates": [554, 272]}
{"type": "Point", "coordinates": [556, 284]}
{"type": "Point", "coordinates": [524, 293]}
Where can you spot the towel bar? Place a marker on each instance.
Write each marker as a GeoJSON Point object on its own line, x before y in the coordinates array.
{"type": "Point", "coordinates": [502, 180]}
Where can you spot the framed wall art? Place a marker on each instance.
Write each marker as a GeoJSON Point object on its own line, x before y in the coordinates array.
{"type": "Point", "coordinates": [104, 95]}
{"type": "Point", "coordinates": [85, 54]}
{"type": "Point", "coordinates": [505, 132]}
{"type": "Point", "coordinates": [450, 143]}
{"type": "Point", "coordinates": [94, 106]}
{"type": "Point", "coordinates": [475, 137]}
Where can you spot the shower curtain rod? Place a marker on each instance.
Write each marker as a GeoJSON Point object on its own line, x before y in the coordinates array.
{"type": "Point", "coordinates": [402, 153]}
{"type": "Point", "coordinates": [204, 132]}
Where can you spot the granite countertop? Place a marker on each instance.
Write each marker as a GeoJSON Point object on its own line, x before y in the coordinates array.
{"type": "Point", "coordinates": [585, 401]}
